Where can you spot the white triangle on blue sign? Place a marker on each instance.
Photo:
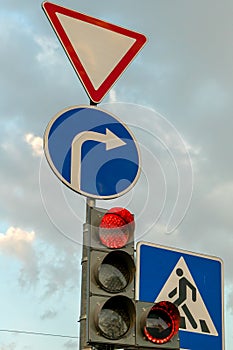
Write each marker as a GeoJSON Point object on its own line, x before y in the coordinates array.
{"type": "Point", "coordinates": [181, 289]}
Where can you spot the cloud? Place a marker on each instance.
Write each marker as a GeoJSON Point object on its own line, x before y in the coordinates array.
{"type": "Point", "coordinates": [19, 244]}
{"type": "Point", "coordinates": [57, 272]}
{"type": "Point", "coordinates": [41, 264]}
{"type": "Point", "coordinates": [48, 314]}
{"type": "Point", "coordinates": [48, 53]}
{"type": "Point", "coordinates": [219, 202]}
{"type": "Point", "coordinates": [71, 344]}
{"type": "Point", "coordinates": [36, 144]}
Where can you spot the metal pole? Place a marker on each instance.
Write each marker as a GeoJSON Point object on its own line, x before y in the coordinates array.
{"type": "Point", "coordinates": [90, 203]}
{"type": "Point", "coordinates": [83, 336]}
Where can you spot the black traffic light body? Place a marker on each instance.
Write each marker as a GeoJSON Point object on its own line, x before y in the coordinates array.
{"type": "Point", "coordinates": [111, 306]}
{"type": "Point", "coordinates": [114, 318]}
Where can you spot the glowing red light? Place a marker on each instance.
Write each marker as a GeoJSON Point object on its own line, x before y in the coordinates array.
{"type": "Point", "coordinates": [116, 227]}
{"type": "Point", "coordinates": [162, 322]}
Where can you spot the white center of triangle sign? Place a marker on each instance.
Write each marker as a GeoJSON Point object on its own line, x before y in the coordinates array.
{"type": "Point", "coordinates": [193, 282]}
{"type": "Point", "coordinates": [194, 314]}
{"type": "Point", "coordinates": [99, 51]}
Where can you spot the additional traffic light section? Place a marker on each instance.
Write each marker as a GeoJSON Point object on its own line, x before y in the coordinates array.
{"type": "Point", "coordinates": [111, 307]}
{"type": "Point", "coordinates": [157, 325]}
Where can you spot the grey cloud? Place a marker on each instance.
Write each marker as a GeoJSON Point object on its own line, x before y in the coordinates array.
{"type": "Point", "coordinates": [48, 314]}
{"type": "Point", "coordinates": [59, 273]}
{"type": "Point", "coordinates": [70, 344]}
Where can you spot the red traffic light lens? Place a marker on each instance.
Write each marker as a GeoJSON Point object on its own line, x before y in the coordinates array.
{"type": "Point", "coordinates": [162, 322]}
{"type": "Point", "coordinates": [116, 228]}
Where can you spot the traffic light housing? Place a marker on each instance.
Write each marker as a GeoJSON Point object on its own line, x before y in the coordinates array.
{"type": "Point", "coordinates": [113, 316]}
{"type": "Point", "coordinates": [111, 306]}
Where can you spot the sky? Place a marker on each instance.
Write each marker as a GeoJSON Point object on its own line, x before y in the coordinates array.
{"type": "Point", "coordinates": [176, 97]}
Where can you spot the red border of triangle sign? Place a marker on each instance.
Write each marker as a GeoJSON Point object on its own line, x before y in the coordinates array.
{"type": "Point", "coordinates": [99, 51]}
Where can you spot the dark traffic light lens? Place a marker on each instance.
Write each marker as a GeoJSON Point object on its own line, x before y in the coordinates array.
{"type": "Point", "coordinates": [116, 317]}
{"type": "Point", "coordinates": [162, 322]}
{"type": "Point", "coordinates": [116, 271]}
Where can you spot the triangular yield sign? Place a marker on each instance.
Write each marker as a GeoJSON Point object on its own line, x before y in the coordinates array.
{"type": "Point", "coordinates": [181, 289]}
{"type": "Point", "coordinates": [99, 51]}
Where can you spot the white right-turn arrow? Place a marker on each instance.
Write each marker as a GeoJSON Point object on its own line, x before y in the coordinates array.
{"type": "Point", "coordinates": [109, 138]}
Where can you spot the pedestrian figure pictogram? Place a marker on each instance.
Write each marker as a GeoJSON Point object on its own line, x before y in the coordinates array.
{"type": "Point", "coordinates": [184, 284]}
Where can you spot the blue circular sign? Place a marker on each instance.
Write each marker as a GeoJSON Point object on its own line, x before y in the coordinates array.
{"type": "Point", "coordinates": [92, 152]}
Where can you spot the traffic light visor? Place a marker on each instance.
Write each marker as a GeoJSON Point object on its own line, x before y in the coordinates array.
{"type": "Point", "coordinates": [161, 322]}
{"type": "Point", "coordinates": [116, 228]}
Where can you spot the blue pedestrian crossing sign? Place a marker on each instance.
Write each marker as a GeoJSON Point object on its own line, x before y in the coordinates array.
{"type": "Point", "coordinates": [92, 152]}
{"type": "Point", "coordinates": [193, 282]}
